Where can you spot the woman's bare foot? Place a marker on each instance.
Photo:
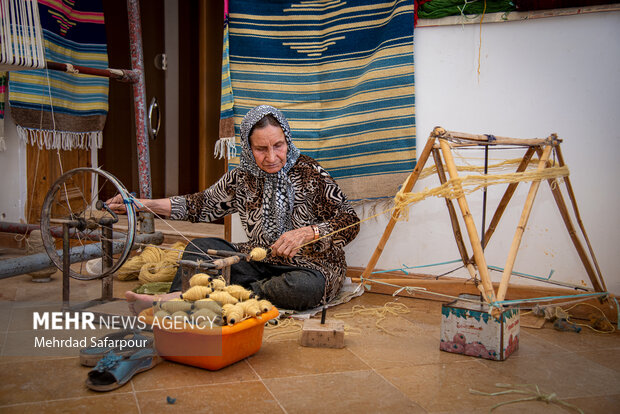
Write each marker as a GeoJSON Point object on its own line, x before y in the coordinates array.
{"type": "Point", "coordinates": [137, 302]}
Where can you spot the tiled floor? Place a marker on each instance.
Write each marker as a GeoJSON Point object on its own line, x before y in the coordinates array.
{"type": "Point", "coordinates": [400, 371]}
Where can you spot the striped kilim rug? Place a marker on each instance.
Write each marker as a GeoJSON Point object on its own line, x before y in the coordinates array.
{"type": "Point", "coordinates": [342, 73]}
{"type": "Point", "coordinates": [57, 109]}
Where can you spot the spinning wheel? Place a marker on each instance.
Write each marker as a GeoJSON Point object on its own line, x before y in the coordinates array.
{"type": "Point", "coordinates": [72, 207]}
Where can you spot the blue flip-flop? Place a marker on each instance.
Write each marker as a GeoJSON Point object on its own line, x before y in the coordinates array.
{"type": "Point", "coordinates": [113, 371]}
{"type": "Point", "coordinates": [134, 341]}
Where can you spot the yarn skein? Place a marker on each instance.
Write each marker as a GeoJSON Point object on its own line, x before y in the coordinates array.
{"type": "Point", "coordinates": [173, 305]}
{"type": "Point", "coordinates": [239, 292]}
{"type": "Point", "coordinates": [208, 304]}
{"type": "Point", "coordinates": [218, 284]}
{"type": "Point", "coordinates": [264, 305]}
{"type": "Point", "coordinates": [232, 313]}
{"type": "Point", "coordinates": [250, 307]}
{"type": "Point", "coordinates": [200, 279]}
{"type": "Point", "coordinates": [196, 293]}
{"type": "Point", "coordinates": [223, 297]}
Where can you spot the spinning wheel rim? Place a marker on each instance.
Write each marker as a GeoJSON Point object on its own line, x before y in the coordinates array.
{"type": "Point", "coordinates": [51, 200]}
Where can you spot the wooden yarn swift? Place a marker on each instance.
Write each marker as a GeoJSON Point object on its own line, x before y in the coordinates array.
{"type": "Point", "coordinates": [440, 143]}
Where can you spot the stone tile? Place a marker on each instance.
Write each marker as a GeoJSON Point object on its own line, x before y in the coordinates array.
{"type": "Point", "coordinates": [169, 375]}
{"type": "Point", "coordinates": [121, 403]}
{"type": "Point", "coordinates": [609, 358]}
{"type": "Point", "coordinates": [289, 359]}
{"type": "Point", "coordinates": [569, 375]}
{"type": "Point", "coordinates": [533, 346]}
{"type": "Point", "coordinates": [444, 387]}
{"type": "Point", "coordinates": [239, 397]}
{"type": "Point", "coordinates": [589, 405]}
{"type": "Point", "coordinates": [602, 404]}
{"type": "Point", "coordinates": [400, 343]}
{"type": "Point", "coordinates": [33, 381]}
{"type": "Point", "coordinates": [572, 341]}
{"type": "Point", "coordinates": [360, 391]}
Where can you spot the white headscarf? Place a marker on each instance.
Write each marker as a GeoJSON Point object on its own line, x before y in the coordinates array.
{"type": "Point", "coordinates": [278, 192]}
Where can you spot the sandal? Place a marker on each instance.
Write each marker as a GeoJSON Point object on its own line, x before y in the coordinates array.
{"type": "Point", "coordinates": [113, 371]}
{"type": "Point", "coordinates": [133, 341]}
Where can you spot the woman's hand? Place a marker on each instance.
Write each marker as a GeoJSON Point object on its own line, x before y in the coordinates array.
{"type": "Point", "coordinates": [290, 242]}
{"type": "Point", "coordinates": [116, 204]}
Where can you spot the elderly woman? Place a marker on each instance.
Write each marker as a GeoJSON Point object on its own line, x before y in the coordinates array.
{"type": "Point", "coordinates": [284, 199]}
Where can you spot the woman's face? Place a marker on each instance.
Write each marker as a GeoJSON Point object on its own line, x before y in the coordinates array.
{"type": "Point", "coordinates": [269, 147]}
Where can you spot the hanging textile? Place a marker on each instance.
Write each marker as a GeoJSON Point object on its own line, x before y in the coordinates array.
{"type": "Point", "coordinates": [3, 78]}
{"type": "Point", "coordinates": [225, 146]}
{"type": "Point", "coordinates": [59, 110]}
{"type": "Point", "coordinates": [342, 73]}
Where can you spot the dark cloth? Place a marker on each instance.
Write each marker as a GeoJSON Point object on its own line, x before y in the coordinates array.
{"type": "Point", "coordinates": [287, 287]}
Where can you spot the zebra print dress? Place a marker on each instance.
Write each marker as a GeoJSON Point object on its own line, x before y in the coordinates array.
{"type": "Point", "coordinates": [318, 201]}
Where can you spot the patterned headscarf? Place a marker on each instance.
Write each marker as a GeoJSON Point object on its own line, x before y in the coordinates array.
{"type": "Point", "coordinates": [278, 192]}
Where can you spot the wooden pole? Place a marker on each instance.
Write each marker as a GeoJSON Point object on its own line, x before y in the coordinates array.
{"type": "Point", "coordinates": [413, 177]}
{"type": "Point", "coordinates": [503, 203]}
{"type": "Point", "coordinates": [559, 200]}
{"type": "Point", "coordinates": [525, 214]}
{"type": "Point", "coordinates": [456, 228]}
{"type": "Point", "coordinates": [484, 139]}
{"type": "Point", "coordinates": [573, 200]}
{"type": "Point", "coordinates": [474, 239]}
{"type": "Point", "coordinates": [203, 148]}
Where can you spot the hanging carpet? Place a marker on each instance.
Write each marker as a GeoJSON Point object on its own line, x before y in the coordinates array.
{"type": "Point", "coordinates": [59, 110]}
{"type": "Point", "coordinates": [342, 73]}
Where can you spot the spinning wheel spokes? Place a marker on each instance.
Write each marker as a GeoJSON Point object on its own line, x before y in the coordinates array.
{"type": "Point", "coordinates": [76, 200]}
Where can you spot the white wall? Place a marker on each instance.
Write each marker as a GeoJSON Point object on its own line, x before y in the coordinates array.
{"type": "Point", "coordinates": [12, 173]}
{"type": "Point", "coordinates": [537, 77]}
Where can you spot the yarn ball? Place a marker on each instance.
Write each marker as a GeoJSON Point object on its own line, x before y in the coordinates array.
{"type": "Point", "coordinates": [258, 254]}
{"type": "Point", "coordinates": [208, 304]}
{"type": "Point", "coordinates": [264, 305]}
{"type": "Point", "coordinates": [232, 313]}
{"type": "Point", "coordinates": [239, 292]}
{"type": "Point", "coordinates": [180, 315]}
{"type": "Point", "coordinates": [200, 279]}
{"type": "Point", "coordinates": [204, 318]}
{"type": "Point", "coordinates": [196, 292]}
{"type": "Point", "coordinates": [218, 284]}
{"type": "Point", "coordinates": [173, 306]}
{"type": "Point", "coordinates": [223, 297]}
{"type": "Point", "coordinates": [250, 307]}
{"type": "Point", "coordinates": [161, 314]}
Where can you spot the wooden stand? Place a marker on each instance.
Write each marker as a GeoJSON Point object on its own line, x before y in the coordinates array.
{"type": "Point", "coordinates": [441, 142]}
{"type": "Point", "coordinates": [327, 335]}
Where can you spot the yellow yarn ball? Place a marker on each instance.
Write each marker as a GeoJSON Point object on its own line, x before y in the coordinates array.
{"type": "Point", "coordinates": [223, 297]}
{"type": "Point", "coordinates": [239, 292]}
{"type": "Point", "coordinates": [161, 314]}
{"type": "Point", "coordinates": [264, 305]}
{"type": "Point", "coordinates": [218, 284]}
{"type": "Point", "coordinates": [250, 307]}
{"type": "Point", "coordinates": [179, 315]}
{"type": "Point", "coordinates": [173, 306]}
{"type": "Point", "coordinates": [196, 293]}
{"type": "Point", "coordinates": [232, 313]}
{"type": "Point", "coordinates": [208, 304]}
{"type": "Point", "coordinates": [200, 279]}
{"type": "Point", "coordinates": [204, 318]}
{"type": "Point", "coordinates": [258, 254]}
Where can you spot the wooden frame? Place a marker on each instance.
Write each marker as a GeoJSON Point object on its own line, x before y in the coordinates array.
{"type": "Point", "coordinates": [440, 143]}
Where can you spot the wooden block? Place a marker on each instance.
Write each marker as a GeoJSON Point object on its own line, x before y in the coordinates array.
{"type": "Point", "coordinates": [328, 335]}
